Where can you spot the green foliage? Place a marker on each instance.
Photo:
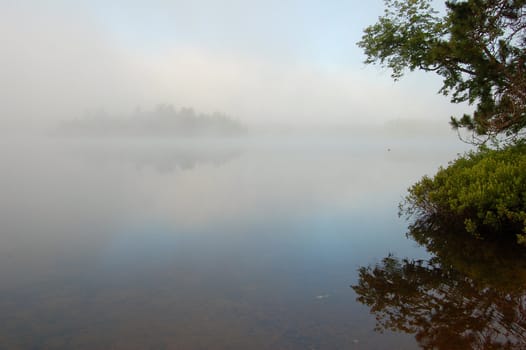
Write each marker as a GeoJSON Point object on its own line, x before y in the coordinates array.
{"type": "Point", "coordinates": [485, 190]}
{"type": "Point", "coordinates": [478, 47]}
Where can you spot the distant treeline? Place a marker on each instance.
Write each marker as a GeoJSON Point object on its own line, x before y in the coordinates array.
{"type": "Point", "coordinates": [163, 121]}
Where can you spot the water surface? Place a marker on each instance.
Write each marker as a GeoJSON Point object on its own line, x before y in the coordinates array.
{"type": "Point", "coordinates": [200, 245]}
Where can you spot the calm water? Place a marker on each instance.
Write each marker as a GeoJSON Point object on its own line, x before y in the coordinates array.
{"type": "Point", "coordinates": [192, 245]}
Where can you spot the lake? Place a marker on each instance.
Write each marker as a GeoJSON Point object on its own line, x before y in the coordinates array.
{"type": "Point", "coordinates": [237, 244]}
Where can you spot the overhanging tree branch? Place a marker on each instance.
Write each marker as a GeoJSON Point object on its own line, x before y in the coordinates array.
{"type": "Point", "coordinates": [478, 48]}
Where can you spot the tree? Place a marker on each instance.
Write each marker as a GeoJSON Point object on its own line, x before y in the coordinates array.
{"type": "Point", "coordinates": [477, 47]}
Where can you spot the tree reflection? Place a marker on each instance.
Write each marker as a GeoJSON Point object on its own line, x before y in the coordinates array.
{"type": "Point", "coordinates": [471, 294]}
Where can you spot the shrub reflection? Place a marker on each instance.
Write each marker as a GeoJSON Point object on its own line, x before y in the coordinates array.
{"type": "Point", "coordinates": [471, 294]}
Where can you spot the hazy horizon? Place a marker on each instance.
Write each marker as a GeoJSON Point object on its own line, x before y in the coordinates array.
{"type": "Point", "coordinates": [205, 174]}
{"type": "Point", "coordinates": [265, 63]}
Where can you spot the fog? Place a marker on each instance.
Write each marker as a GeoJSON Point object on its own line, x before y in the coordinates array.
{"type": "Point", "coordinates": [202, 174]}
{"type": "Point", "coordinates": [62, 60]}
{"type": "Point", "coordinates": [190, 235]}
{"type": "Point", "coordinates": [167, 85]}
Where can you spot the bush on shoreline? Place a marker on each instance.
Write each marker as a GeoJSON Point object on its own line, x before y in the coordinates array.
{"type": "Point", "coordinates": [484, 189]}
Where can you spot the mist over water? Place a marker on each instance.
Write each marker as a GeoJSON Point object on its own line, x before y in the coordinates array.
{"type": "Point", "coordinates": [202, 175]}
{"type": "Point", "coordinates": [200, 243]}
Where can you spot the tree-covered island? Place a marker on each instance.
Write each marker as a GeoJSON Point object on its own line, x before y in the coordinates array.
{"type": "Point", "coordinates": [478, 48]}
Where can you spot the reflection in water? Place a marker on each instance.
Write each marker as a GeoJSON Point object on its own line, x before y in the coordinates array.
{"type": "Point", "coordinates": [471, 294]}
{"type": "Point", "coordinates": [152, 245]}
{"type": "Point", "coordinates": [163, 158]}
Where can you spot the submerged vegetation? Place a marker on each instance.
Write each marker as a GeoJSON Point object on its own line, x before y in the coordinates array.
{"type": "Point", "coordinates": [485, 190]}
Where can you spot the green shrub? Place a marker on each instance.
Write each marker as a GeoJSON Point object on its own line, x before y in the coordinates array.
{"type": "Point", "coordinates": [483, 189]}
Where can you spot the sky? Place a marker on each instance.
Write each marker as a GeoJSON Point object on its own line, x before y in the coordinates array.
{"type": "Point", "coordinates": [286, 61]}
